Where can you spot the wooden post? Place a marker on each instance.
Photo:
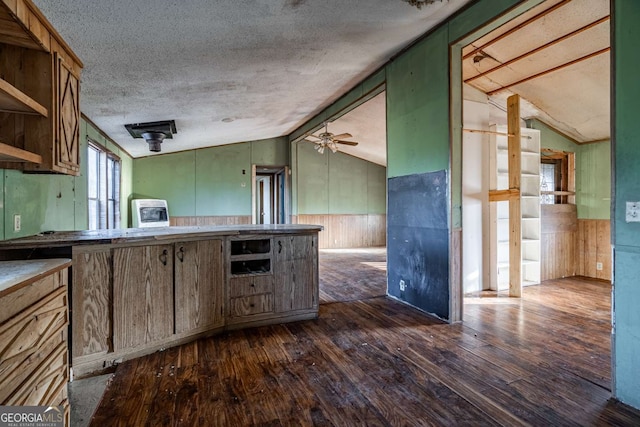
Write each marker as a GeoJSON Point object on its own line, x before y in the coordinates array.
{"type": "Point", "coordinates": [515, 226]}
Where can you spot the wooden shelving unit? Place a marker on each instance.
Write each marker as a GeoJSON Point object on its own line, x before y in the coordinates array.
{"type": "Point", "coordinates": [529, 207]}
{"type": "Point", "coordinates": [13, 100]}
{"type": "Point", "coordinates": [39, 93]}
{"type": "Point", "coordinates": [9, 153]}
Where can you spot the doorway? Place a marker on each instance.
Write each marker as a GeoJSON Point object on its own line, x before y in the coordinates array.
{"type": "Point", "coordinates": [270, 194]}
{"type": "Point", "coordinates": [555, 56]}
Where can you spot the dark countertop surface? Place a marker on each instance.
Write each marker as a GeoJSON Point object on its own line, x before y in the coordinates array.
{"type": "Point", "coordinates": [92, 237]}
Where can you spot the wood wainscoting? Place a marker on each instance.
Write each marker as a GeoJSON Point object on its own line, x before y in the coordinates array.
{"type": "Point", "coordinates": [572, 246]}
{"type": "Point", "coordinates": [182, 221]}
{"type": "Point", "coordinates": [593, 246]}
{"type": "Point", "coordinates": [559, 224]}
{"type": "Point", "coordinates": [348, 231]}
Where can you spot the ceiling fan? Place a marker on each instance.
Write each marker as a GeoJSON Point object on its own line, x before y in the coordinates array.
{"type": "Point", "coordinates": [328, 140]}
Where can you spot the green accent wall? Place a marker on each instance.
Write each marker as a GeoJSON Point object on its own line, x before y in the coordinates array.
{"type": "Point", "coordinates": [50, 201]}
{"type": "Point", "coordinates": [593, 171]}
{"type": "Point", "coordinates": [626, 236]}
{"type": "Point", "coordinates": [336, 183]}
{"type": "Point", "coordinates": [417, 108]}
{"type": "Point", "coordinates": [213, 181]}
{"type": "Point", "coordinates": [593, 181]}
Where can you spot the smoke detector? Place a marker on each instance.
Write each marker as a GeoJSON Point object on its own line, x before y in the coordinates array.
{"type": "Point", "coordinates": [153, 132]}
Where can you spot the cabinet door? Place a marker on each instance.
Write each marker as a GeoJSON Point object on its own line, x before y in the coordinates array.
{"type": "Point", "coordinates": [199, 285]}
{"type": "Point", "coordinates": [296, 272]}
{"type": "Point", "coordinates": [142, 295]}
{"type": "Point", "coordinates": [91, 299]}
{"type": "Point", "coordinates": [68, 118]}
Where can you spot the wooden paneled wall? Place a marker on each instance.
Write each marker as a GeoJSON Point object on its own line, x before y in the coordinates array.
{"type": "Point", "coordinates": [348, 231]}
{"type": "Point", "coordinates": [209, 220]}
{"type": "Point", "coordinates": [559, 224]}
{"type": "Point", "coordinates": [593, 246]}
{"type": "Point", "coordinates": [572, 246]}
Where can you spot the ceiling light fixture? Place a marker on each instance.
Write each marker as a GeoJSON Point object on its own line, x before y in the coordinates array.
{"type": "Point", "coordinates": [328, 140]}
{"type": "Point", "coordinates": [153, 132]}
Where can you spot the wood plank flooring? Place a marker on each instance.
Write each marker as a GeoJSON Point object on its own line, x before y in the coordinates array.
{"type": "Point", "coordinates": [370, 360]}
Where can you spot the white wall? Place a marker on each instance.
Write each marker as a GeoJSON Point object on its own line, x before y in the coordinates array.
{"type": "Point", "coordinates": [475, 190]}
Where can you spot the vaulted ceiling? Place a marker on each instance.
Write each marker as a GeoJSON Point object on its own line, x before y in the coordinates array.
{"type": "Point", "coordinates": [228, 71]}
{"type": "Point", "coordinates": [556, 57]}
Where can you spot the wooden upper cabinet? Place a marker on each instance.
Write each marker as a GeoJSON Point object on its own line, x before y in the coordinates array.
{"type": "Point", "coordinates": [39, 93]}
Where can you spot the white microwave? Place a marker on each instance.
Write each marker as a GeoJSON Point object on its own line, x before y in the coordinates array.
{"type": "Point", "coordinates": [149, 213]}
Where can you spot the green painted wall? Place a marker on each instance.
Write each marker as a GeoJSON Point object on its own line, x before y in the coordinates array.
{"type": "Point", "coordinates": [593, 181]}
{"type": "Point", "coordinates": [626, 236]}
{"type": "Point", "coordinates": [207, 182]}
{"type": "Point", "coordinates": [49, 201]}
{"type": "Point", "coordinates": [336, 183]}
{"type": "Point", "coordinates": [417, 108]}
{"type": "Point", "coordinates": [223, 180]}
{"type": "Point", "coordinates": [593, 171]}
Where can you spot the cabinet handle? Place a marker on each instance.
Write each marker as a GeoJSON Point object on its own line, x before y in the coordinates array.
{"type": "Point", "coordinates": [279, 246]}
{"type": "Point", "coordinates": [163, 257]}
{"type": "Point", "coordinates": [253, 285]}
{"type": "Point", "coordinates": [252, 305]}
{"type": "Point", "coordinates": [181, 254]}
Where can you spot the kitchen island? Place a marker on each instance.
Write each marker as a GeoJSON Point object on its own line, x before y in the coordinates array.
{"type": "Point", "coordinates": [136, 291]}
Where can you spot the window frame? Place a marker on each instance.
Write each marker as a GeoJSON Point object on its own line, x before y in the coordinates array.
{"type": "Point", "coordinates": [109, 184]}
{"type": "Point", "coordinates": [564, 166]}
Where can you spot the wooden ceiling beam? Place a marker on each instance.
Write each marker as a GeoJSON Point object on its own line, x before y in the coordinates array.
{"type": "Point", "coordinates": [551, 70]}
{"type": "Point", "coordinates": [540, 48]}
{"type": "Point", "coordinates": [517, 27]}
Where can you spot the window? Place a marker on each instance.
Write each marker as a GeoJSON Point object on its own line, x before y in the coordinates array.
{"type": "Point", "coordinates": [104, 188]}
{"type": "Point", "coordinates": [557, 177]}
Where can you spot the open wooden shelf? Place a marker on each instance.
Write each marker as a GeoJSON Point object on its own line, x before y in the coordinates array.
{"type": "Point", "coordinates": [13, 154]}
{"type": "Point", "coordinates": [13, 100]}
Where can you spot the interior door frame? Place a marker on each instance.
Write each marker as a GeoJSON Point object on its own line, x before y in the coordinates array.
{"type": "Point", "coordinates": [273, 170]}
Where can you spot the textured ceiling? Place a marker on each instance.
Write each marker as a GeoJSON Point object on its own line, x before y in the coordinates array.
{"type": "Point", "coordinates": [228, 71]}
{"type": "Point", "coordinates": [574, 99]}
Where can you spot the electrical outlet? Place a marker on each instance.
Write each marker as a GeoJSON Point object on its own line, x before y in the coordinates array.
{"type": "Point", "coordinates": [17, 222]}
{"type": "Point", "coordinates": [402, 285]}
{"type": "Point", "coordinates": [633, 212]}
{"type": "Point", "coordinates": [599, 266]}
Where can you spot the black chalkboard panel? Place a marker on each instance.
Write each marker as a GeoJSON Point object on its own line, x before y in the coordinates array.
{"type": "Point", "coordinates": [418, 241]}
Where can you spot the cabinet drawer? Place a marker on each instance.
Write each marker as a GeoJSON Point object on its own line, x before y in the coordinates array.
{"type": "Point", "coordinates": [252, 285]}
{"type": "Point", "coordinates": [249, 305]}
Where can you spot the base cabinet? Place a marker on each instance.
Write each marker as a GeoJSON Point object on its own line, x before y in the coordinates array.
{"type": "Point", "coordinates": [296, 273]}
{"type": "Point", "coordinates": [142, 295]}
{"type": "Point", "coordinates": [91, 297]}
{"type": "Point", "coordinates": [34, 363]}
{"type": "Point", "coordinates": [133, 300]}
{"type": "Point", "coordinates": [199, 294]}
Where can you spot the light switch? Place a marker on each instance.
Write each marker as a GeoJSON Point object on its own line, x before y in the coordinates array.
{"type": "Point", "coordinates": [633, 212]}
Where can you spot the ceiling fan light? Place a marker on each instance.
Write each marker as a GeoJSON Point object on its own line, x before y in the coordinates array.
{"type": "Point", "coordinates": [321, 149]}
{"type": "Point", "coordinates": [333, 147]}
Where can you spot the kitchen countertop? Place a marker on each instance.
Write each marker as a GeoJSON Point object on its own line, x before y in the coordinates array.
{"type": "Point", "coordinates": [15, 275]}
{"type": "Point", "coordinates": [73, 238]}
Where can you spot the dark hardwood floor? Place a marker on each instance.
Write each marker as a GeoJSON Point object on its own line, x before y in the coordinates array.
{"type": "Point", "coordinates": [369, 360]}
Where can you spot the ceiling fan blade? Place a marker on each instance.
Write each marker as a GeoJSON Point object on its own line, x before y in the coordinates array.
{"type": "Point", "coordinates": [308, 140]}
{"type": "Point", "coordinates": [342, 136]}
{"type": "Point", "coordinates": [311, 136]}
{"type": "Point", "coordinates": [352, 143]}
